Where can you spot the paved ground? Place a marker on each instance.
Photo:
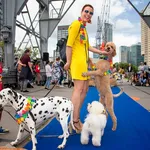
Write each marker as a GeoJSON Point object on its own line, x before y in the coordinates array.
{"type": "Point", "coordinates": [140, 93]}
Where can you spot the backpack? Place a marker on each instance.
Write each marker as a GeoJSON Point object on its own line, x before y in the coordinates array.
{"type": "Point", "coordinates": [61, 48]}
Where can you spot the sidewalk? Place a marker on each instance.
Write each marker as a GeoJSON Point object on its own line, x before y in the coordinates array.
{"type": "Point", "coordinates": [142, 93]}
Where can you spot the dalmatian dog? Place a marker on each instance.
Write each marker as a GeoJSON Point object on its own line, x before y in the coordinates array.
{"type": "Point", "coordinates": [42, 110]}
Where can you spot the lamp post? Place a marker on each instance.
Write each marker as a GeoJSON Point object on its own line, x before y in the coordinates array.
{"type": "Point", "coordinates": [145, 14]}
{"type": "Point", "coordinates": [6, 34]}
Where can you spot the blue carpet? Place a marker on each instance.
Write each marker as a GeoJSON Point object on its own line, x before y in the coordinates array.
{"type": "Point", "coordinates": [133, 131]}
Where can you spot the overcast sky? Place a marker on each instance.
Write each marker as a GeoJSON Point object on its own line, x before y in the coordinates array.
{"type": "Point", "coordinates": [126, 22]}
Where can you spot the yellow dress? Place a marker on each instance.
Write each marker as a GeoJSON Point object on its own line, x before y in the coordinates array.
{"type": "Point", "coordinates": [79, 61]}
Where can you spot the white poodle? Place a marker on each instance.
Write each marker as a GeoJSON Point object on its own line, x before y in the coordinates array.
{"type": "Point", "coordinates": [94, 124]}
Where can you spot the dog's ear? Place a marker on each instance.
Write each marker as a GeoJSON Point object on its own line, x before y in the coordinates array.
{"type": "Point", "coordinates": [114, 47]}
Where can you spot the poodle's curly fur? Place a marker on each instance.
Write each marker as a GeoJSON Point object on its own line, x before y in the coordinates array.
{"type": "Point", "coordinates": [94, 124]}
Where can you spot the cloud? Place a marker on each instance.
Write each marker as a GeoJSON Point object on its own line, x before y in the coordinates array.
{"type": "Point", "coordinates": [123, 24]}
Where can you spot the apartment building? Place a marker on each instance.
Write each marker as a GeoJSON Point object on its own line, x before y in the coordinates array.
{"type": "Point", "coordinates": [145, 42]}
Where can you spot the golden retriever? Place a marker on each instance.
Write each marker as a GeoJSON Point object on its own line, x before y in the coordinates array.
{"type": "Point", "coordinates": [102, 82]}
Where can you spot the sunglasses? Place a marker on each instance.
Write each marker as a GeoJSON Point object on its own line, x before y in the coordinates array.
{"type": "Point", "coordinates": [91, 13]}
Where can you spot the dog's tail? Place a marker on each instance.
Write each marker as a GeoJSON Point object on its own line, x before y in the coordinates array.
{"type": "Point", "coordinates": [117, 95]}
{"type": "Point", "coordinates": [71, 117]}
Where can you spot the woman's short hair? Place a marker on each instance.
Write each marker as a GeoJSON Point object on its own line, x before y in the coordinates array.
{"type": "Point", "coordinates": [47, 62]}
{"type": "Point", "coordinates": [58, 58]}
{"type": "Point", "coordinates": [87, 5]}
{"type": "Point", "coordinates": [27, 51]}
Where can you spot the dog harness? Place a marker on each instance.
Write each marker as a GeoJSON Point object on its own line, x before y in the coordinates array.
{"type": "Point", "coordinates": [23, 114]}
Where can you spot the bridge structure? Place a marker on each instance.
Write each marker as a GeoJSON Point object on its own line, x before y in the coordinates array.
{"type": "Point", "coordinates": [48, 16]}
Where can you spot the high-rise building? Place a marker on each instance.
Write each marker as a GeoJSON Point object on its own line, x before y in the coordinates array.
{"type": "Point", "coordinates": [62, 32]}
{"type": "Point", "coordinates": [136, 57]}
{"type": "Point", "coordinates": [124, 54]}
{"type": "Point", "coordinates": [109, 32]}
{"type": "Point", "coordinates": [145, 41]}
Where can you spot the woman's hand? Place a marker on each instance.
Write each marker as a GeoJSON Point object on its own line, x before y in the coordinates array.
{"type": "Point", "coordinates": [106, 53]}
{"type": "Point", "coordinates": [67, 66]}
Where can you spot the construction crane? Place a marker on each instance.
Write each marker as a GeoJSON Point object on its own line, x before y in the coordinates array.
{"type": "Point", "coordinates": [103, 25]}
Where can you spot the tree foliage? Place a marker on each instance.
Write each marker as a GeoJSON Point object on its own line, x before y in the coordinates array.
{"type": "Point", "coordinates": [125, 66]}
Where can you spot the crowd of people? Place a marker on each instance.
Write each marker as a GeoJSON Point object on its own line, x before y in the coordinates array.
{"type": "Point", "coordinates": [29, 72]}
{"type": "Point", "coordinates": [138, 78]}
{"type": "Point", "coordinates": [142, 77]}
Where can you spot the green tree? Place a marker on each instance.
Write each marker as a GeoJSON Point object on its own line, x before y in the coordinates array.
{"type": "Point", "coordinates": [35, 53]}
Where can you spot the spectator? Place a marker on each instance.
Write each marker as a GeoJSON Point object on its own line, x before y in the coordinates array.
{"type": "Point", "coordinates": [37, 72]}
{"type": "Point", "coordinates": [145, 67]}
{"type": "Point", "coordinates": [141, 67]}
{"type": "Point", "coordinates": [26, 71]}
{"type": "Point", "coordinates": [143, 78]}
{"type": "Point", "coordinates": [56, 73]}
{"type": "Point", "coordinates": [48, 75]}
{"type": "Point", "coordinates": [129, 70]}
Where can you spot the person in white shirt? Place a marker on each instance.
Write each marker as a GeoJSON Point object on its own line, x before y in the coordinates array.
{"type": "Point", "coordinates": [48, 75]}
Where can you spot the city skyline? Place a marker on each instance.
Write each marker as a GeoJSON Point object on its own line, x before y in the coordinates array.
{"type": "Point", "coordinates": [127, 27]}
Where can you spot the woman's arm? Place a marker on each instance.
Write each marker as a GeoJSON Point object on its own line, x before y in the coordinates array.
{"type": "Point", "coordinates": [69, 54]}
{"type": "Point", "coordinates": [95, 50]}
{"type": "Point", "coordinates": [20, 63]}
{"type": "Point", "coordinates": [69, 57]}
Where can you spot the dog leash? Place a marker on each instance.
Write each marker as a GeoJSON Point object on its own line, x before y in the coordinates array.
{"type": "Point", "coordinates": [51, 88]}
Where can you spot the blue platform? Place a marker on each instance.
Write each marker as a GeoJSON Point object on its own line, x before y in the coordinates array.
{"type": "Point", "coordinates": [133, 131]}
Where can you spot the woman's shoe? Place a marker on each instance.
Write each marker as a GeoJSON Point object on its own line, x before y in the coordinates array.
{"type": "Point", "coordinates": [76, 128]}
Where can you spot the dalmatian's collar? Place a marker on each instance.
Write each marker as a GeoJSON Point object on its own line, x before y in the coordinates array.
{"type": "Point", "coordinates": [23, 113]}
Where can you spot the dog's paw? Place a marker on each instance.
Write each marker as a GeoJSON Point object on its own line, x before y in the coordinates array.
{"type": "Point", "coordinates": [114, 128]}
{"type": "Point", "coordinates": [96, 143]}
{"type": "Point", "coordinates": [84, 141]}
{"type": "Point", "coordinates": [61, 136]}
{"type": "Point", "coordinates": [61, 146]}
{"type": "Point", "coordinates": [84, 74]}
{"type": "Point", "coordinates": [14, 143]}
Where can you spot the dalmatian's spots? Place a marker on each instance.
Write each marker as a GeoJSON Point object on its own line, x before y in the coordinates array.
{"type": "Point", "coordinates": [35, 115]}
{"type": "Point", "coordinates": [35, 105]}
{"type": "Point", "coordinates": [50, 99]}
{"type": "Point", "coordinates": [20, 96]}
{"type": "Point", "coordinates": [46, 112]}
{"type": "Point", "coordinates": [63, 109]}
{"type": "Point", "coordinates": [67, 111]}
{"type": "Point", "coordinates": [40, 112]}
{"type": "Point", "coordinates": [42, 104]}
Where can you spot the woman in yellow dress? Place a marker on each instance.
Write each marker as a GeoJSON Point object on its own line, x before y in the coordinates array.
{"type": "Point", "coordinates": [77, 52]}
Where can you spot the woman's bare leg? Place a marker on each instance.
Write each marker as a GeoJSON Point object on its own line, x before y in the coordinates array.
{"type": "Point", "coordinates": [76, 100]}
